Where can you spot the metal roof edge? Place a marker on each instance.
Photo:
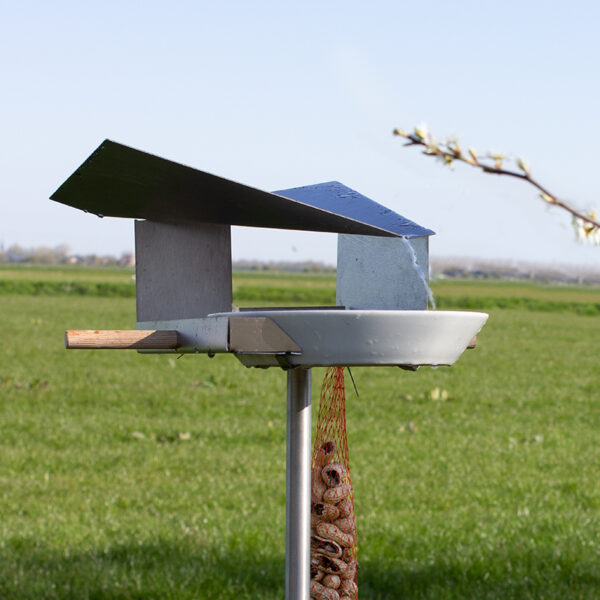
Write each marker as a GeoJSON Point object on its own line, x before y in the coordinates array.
{"type": "Point", "coordinates": [121, 181]}
{"type": "Point", "coordinates": [300, 193]}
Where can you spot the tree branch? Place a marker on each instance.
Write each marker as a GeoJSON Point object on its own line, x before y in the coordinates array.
{"type": "Point", "coordinates": [587, 225]}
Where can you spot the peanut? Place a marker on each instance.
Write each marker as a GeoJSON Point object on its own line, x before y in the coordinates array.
{"type": "Point", "coordinates": [335, 494]}
{"type": "Point", "coordinates": [320, 592]}
{"type": "Point", "coordinates": [318, 486]}
{"type": "Point", "coordinates": [346, 524]}
{"type": "Point", "coordinates": [319, 545]}
{"type": "Point", "coordinates": [334, 473]}
{"type": "Point", "coordinates": [331, 565]}
{"type": "Point", "coordinates": [327, 512]}
{"type": "Point", "coordinates": [331, 532]}
{"type": "Point", "coordinates": [332, 581]}
{"type": "Point", "coordinates": [349, 588]}
{"type": "Point", "coordinates": [345, 507]}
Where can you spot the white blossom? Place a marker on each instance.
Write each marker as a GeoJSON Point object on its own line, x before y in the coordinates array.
{"type": "Point", "coordinates": [585, 232]}
{"type": "Point", "coordinates": [422, 132]}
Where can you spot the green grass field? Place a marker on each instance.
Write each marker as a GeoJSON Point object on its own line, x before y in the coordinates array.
{"type": "Point", "coordinates": [287, 289]}
{"type": "Point", "coordinates": [126, 476]}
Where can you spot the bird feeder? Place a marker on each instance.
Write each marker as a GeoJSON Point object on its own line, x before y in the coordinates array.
{"type": "Point", "coordinates": [184, 291]}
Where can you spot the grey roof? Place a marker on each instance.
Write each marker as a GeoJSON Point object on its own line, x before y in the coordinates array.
{"type": "Point", "coordinates": [119, 181]}
{"type": "Point", "coordinates": [338, 198]}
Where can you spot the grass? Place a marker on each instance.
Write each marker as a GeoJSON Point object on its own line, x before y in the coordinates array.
{"type": "Point", "coordinates": [272, 288]}
{"type": "Point", "coordinates": [135, 476]}
{"type": "Point", "coordinates": [517, 289]}
{"type": "Point", "coordinates": [64, 273]}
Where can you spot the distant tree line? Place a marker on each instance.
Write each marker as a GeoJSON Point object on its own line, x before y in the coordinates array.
{"type": "Point", "coordinates": [440, 268]}
{"type": "Point", "coordinates": [61, 255]}
{"type": "Point", "coordinates": [465, 268]}
{"type": "Point", "coordinates": [309, 266]}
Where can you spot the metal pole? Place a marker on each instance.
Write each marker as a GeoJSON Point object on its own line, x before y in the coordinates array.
{"type": "Point", "coordinates": [297, 516]}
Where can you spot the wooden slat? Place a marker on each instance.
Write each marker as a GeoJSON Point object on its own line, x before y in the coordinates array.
{"type": "Point", "coordinates": [121, 339]}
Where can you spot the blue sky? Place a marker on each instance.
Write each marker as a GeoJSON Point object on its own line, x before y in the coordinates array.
{"type": "Point", "coordinates": [280, 94]}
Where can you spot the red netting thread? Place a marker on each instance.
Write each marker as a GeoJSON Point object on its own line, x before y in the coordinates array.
{"type": "Point", "coordinates": [333, 518]}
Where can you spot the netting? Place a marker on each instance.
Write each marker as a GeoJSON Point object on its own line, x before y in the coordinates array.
{"type": "Point", "coordinates": [333, 524]}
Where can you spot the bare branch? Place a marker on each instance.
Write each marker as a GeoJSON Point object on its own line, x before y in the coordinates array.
{"type": "Point", "coordinates": [586, 225]}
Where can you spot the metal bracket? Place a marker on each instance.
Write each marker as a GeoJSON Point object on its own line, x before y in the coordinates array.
{"type": "Point", "coordinates": [284, 362]}
{"type": "Point", "coordinates": [259, 335]}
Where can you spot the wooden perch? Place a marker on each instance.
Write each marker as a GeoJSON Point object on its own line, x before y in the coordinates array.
{"type": "Point", "coordinates": [121, 339]}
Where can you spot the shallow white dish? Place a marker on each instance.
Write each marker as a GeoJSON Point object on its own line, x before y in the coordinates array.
{"type": "Point", "coordinates": [369, 337]}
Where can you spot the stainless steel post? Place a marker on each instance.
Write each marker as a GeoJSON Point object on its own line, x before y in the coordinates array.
{"type": "Point", "coordinates": [297, 517]}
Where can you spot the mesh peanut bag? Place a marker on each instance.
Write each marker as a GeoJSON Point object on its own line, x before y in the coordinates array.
{"type": "Point", "coordinates": [333, 564]}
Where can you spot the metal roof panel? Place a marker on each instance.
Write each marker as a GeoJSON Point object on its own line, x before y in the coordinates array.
{"type": "Point", "coordinates": [119, 181]}
{"type": "Point", "coordinates": [338, 198]}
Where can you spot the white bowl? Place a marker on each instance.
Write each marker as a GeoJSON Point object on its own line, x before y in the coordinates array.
{"type": "Point", "coordinates": [369, 337]}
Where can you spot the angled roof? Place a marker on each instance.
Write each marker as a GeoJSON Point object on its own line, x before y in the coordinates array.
{"type": "Point", "coordinates": [338, 198]}
{"type": "Point", "coordinates": [119, 181]}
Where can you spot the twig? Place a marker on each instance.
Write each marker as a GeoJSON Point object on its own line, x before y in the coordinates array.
{"type": "Point", "coordinates": [587, 225]}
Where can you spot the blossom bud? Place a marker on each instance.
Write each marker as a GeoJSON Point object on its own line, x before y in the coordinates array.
{"type": "Point", "coordinates": [523, 165]}
{"type": "Point", "coordinates": [497, 158]}
{"type": "Point", "coordinates": [422, 132]}
{"type": "Point", "coordinates": [547, 198]}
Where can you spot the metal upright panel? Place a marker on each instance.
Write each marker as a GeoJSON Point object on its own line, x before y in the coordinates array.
{"type": "Point", "coordinates": [379, 273]}
{"type": "Point", "coordinates": [182, 271]}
